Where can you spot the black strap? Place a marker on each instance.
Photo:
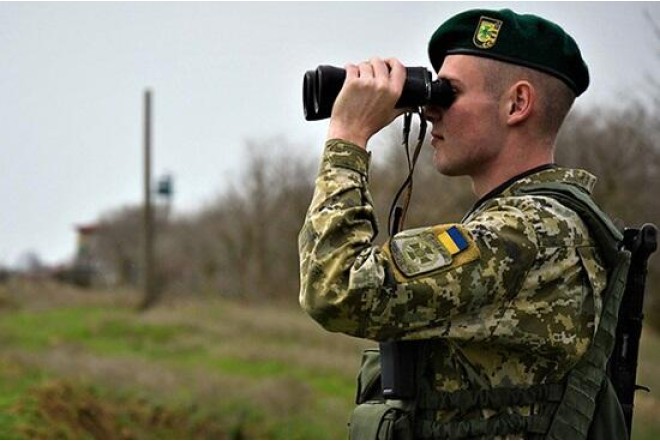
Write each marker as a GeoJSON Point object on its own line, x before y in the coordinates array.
{"type": "Point", "coordinates": [496, 398]}
{"type": "Point", "coordinates": [499, 425]}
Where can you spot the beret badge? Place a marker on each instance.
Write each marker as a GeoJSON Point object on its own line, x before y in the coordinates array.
{"type": "Point", "coordinates": [485, 36]}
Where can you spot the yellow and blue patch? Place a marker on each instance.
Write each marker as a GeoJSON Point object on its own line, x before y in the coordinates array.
{"type": "Point", "coordinates": [453, 240]}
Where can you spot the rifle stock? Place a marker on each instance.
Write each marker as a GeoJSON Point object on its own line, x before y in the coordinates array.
{"type": "Point", "coordinates": [622, 366]}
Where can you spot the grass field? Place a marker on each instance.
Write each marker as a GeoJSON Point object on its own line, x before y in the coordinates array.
{"type": "Point", "coordinates": [78, 364]}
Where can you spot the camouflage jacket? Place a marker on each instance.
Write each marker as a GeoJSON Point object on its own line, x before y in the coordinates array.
{"type": "Point", "coordinates": [510, 296]}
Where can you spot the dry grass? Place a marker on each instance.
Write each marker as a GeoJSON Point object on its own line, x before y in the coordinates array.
{"type": "Point", "coordinates": [41, 295]}
{"type": "Point", "coordinates": [65, 410]}
{"type": "Point", "coordinates": [264, 332]}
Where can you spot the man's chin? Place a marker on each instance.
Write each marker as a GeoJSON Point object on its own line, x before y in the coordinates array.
{"type": "Point", "coordinates": [441, 164]}
{"type": "Point", "coordinates": [449, 172]}
{"type": "Point", "coordinates": [448, 169]}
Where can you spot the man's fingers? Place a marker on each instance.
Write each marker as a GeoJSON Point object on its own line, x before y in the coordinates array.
{"type": "Point", "coordinates": [381, 70]}
{"type": "Point", "coordinates": [351, 71]}
{"type": "Point", "coordinates": [397, 72]}
{"type": "Point", "coordinates": [366, 70]}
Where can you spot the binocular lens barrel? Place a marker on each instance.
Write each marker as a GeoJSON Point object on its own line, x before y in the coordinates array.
{"type": "Point", "coordinates": [322, 85]}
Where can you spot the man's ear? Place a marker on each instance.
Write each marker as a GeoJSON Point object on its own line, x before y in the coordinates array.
{"type": "Point", "coordinates": [520, 102]}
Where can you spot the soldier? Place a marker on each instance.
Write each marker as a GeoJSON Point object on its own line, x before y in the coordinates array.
{"type": "Point", "coordinates": [510, 298]}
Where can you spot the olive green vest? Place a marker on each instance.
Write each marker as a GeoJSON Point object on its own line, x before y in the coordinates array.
{"type": "Point", "coordinates": [584, 405]}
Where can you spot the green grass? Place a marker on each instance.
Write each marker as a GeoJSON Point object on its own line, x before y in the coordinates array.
{"type": "Point", "coordinates": [93, 368]}
{"type": "Point", "coordinates": [98, 329]}
{"type": "Point", "coordinates": [123, 333]}
{"type": "Point", "coordinates": [89, 366]}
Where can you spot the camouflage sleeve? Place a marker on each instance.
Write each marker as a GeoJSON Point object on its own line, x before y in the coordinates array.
{"type": "Point", "coordinates": [423, 283]}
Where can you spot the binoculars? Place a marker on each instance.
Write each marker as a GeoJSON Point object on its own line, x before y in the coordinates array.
{"type": "Point", "coordinates": [322, 85]}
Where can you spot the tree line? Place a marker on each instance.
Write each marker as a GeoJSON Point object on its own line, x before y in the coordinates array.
{"type": "Point", "coordinates": [243, 245]}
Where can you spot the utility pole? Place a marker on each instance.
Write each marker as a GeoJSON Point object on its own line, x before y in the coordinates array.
{"type": "Point", "coordinates": [148, 282]}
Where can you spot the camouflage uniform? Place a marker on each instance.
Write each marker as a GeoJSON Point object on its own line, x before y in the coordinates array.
{"type": "Point", "coordinates": [512, 301]}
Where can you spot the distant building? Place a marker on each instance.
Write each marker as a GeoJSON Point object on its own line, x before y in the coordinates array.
{"type": "Point", "coordinates": [86, 263]}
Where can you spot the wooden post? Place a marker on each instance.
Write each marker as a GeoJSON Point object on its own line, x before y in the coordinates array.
{"type": "Point", "coordinates": [148, 282]}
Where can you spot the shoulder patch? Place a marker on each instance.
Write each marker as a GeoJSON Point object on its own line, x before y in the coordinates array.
{"type": "Point", "coordinates": [424, 250]}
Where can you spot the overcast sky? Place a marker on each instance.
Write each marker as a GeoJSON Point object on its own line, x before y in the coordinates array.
{"type": "Point", "coordinates": [73, 77]}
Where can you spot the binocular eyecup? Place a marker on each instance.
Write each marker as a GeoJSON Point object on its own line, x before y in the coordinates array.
{"type": "Point", "coordinates": [322, 85]}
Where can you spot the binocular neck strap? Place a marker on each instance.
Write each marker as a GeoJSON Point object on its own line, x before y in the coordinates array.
{"type": "Point", "coordinates": [398, 210]}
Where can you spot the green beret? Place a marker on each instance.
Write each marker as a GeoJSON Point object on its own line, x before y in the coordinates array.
{"type": "Point", "coordinates": [526, 40]}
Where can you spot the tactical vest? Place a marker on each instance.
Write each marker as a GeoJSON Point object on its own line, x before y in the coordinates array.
{"type": "Point", "coordinates": [564, 410]}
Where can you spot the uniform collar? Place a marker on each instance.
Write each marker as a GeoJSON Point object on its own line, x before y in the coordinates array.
{"type": "Point", "coordinates": [545, 173]}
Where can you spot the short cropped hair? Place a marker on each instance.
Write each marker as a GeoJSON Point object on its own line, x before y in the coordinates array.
{"type": "Point", "coordinates": [554, 97]}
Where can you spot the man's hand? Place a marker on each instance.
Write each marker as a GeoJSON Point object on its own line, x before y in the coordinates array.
{"type": "Point", "coordinates": [366, 101]}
